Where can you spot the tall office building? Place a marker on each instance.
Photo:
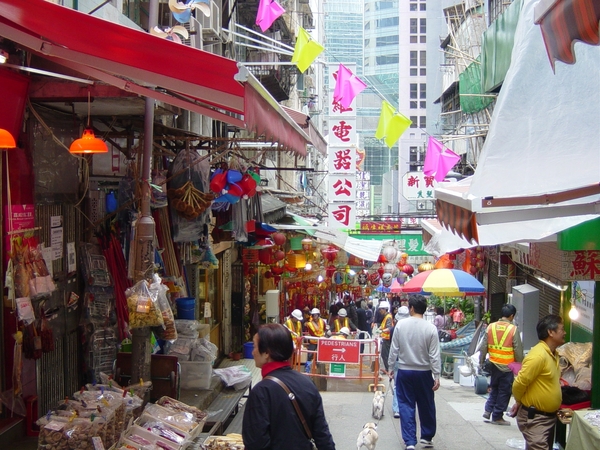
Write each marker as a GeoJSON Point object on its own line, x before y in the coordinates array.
{"type": "Point", "coordinates": [345, 37]}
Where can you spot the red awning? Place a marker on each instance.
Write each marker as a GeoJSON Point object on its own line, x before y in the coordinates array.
{"type": "Point", "coordinates": [565, 21]}
{"type": "Point", "coordinates": [148, 65]}
{"type": "Point", "coordinates": [303, 120]}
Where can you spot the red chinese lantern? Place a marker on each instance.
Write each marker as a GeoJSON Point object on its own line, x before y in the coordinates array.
{"type": "Point", "coordinates": [279, 238]}
{"type": "Point", "coordinates": [279, 255]}
{"type": "Point", "coordinates": [265, 256]}
{"type": "Point", "coordinates": [408, 269]}
{"type": "Point", "coordinates": [329, 253]}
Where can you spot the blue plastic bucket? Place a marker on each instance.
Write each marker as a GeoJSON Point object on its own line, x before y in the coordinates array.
{"type": "Point", "coordinates": [248, 347]}
{"type": "Point", "coordinates": [186, 308]}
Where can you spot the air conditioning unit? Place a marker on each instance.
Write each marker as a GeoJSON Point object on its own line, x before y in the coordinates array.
{"type": "Point", "coordinates": [211, 26]}
{"type": "Point", "coordinates": [195, 30]}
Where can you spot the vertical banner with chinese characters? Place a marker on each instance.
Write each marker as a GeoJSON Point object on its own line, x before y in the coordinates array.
{"type": "Point", "coordinates": [342, 157]}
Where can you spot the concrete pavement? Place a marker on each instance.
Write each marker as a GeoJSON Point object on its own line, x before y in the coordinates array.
{"type": "Point", "coordinates": [459, 421]}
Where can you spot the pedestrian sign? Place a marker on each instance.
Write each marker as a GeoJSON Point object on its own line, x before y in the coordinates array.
{"type": "Point", "coordinates": [337, 370]}
{"type": "Point", "coordinates": [338, 351]}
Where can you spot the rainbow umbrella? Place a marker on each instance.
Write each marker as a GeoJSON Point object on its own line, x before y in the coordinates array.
{"type": "Point", "coordinates": [444, 283]}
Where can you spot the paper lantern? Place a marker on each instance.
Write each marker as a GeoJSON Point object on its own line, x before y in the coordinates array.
{"type": "Point", "coordinates": [265, 256]}
{"type": "Point", "coordinates": [306, 244]}
{"type": "Point", "coordinates": [329, 252]}
{"type": "Point", "coordinates": [408, 269]}
{"type": "Point", "coordinates": [389, 252]}
{"type": "Point", "coordinates": [278, 238]}
{"type": "Point", "coordinates": [279, 255]}
{"type": "Point", "coordinates": [425, 266]}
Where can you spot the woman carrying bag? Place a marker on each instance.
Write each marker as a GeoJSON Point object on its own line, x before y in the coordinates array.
{"type": "Point", "coordinates": [274, 419]}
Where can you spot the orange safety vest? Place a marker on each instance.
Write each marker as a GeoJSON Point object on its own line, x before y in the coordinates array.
{"type": "Point", "coordinates": [295, 328]}
{"type": "Point", "coordinates": [316, 329]}
{"type": "Point", "coordinates": [500, 342]}
{"type": "Point", "coordinates": [340, 323]}
{"type": "Point", "coordinates": [385, 334]}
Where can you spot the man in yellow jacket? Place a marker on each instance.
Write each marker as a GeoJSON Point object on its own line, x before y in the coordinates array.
{"type": "Point", "coordinates": [503, 343]}
{"type": "Point", "coordinates": [537, 386]}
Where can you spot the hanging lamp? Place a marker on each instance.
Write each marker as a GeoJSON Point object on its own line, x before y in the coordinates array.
{"type": "Point", "coordinates": [88, 143]}
{"type": "Point", "coordinates": [7, 141]}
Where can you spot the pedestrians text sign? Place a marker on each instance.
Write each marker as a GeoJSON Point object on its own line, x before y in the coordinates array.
{"type": "Point", "coordinates": [338, 351]}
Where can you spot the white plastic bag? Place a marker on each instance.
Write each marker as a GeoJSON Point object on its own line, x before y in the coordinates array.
{"type": "Point", "coordinates": [237, 377]}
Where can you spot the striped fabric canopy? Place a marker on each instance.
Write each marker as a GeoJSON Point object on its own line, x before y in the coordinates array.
{"type": "Point", "coordinates": [444, 283]}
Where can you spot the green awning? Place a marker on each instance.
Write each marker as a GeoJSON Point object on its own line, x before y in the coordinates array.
{"type": "Point", "coordinates": [470, 89]}
{"type": "Point", "coordinates": [497, 46]}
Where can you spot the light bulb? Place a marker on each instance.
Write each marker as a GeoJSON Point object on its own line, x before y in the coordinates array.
{"type": "Point", "coordinates": [320, 278]}
{"type": "Point", "coordinates": [308, 267]}
{"type": "Point", "coordinates": [573, 312]}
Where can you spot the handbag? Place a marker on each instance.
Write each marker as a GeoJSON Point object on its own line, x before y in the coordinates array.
{"type": "Point", "coordinates": [292, 397]}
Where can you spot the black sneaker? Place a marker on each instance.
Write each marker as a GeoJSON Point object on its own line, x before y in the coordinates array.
{"type": "Point", "coordinates": [487, 415]}
{"type": "Point", "coordinates": [396, 415]}
{"type": "Point", "coordinates": [425, 443]}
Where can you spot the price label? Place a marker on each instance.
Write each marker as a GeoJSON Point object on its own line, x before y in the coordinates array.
{"type": "Point", "coordinates": [143, 305]}
{"type": "Point", "coordinates": [54, 425]}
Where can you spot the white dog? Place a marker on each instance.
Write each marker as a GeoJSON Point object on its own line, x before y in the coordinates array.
{"type": "Point", "coordinates": [378, 402]}
{"type": "Point", "coordinates": [367, 437]}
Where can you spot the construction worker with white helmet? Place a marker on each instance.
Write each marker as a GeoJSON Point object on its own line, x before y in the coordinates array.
{"type": "Point", "coordinates": [343, 321]}
{"type": "Point", "coordinates": [317, 327]}
{"type": "Point", "coordinates": [344, 333]}
{"type": "Point", "coordinates": [294, 323]}
{"type": "Point", "coordinates": [384, 330]}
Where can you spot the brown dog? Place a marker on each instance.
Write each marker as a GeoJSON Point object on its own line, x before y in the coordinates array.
{"type": "Point", "coordinates": [367, 437]}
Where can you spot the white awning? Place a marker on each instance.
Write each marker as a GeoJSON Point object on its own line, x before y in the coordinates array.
{"type": "Point", "coordinates": [539, 169]}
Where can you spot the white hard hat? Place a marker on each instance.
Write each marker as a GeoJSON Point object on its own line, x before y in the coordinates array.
{"type": "Point", "coordinates": [342, 312]}
{"type": "Point", "coordinates": [345, 330]}
{"type": "Point", "coordinates": [297, 314]}
{"type": "Point", "coordinates": [315, 311]}
{"type": "Point", "coordinates": [384, 304]}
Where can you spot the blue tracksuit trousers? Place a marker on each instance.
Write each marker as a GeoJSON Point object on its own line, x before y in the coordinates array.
{"type": "Point", "coordinates": [414, 389]}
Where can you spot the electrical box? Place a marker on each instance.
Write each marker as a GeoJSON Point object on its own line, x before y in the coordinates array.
{"type": "Point", "coordinates": [526, 299]}
{"type": "Point", "coordinates": [272, 305]}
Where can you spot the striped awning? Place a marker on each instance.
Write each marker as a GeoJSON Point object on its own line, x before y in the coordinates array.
{"type": "Point", "coordinates": [459, 220]}
{"type": "Point", "coordinates": [565, 21]}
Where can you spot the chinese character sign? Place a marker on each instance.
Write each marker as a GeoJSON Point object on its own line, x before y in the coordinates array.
{"type": "Point", "coordinates": [341, 153]}
{"type": "Point", "coordinates": [342, 131]}
{"type": "Point", "coordinates": [341, 215]}
{"type": "Point", "coordinates": [341, 188]}
{"type": "Point", "coordinates": [342, 160]}
{"type": "Point", "coordinates": [418, 186]}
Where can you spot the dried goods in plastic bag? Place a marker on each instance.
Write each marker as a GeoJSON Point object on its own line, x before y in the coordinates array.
{"type": "Point", "coordinates": [142, 306]}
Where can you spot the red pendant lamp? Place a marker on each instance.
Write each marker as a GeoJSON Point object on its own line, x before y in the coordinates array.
{"type": "Point", "coordinates": [88, 143]}
{"type": "Point", "coordinates": [7, 141]}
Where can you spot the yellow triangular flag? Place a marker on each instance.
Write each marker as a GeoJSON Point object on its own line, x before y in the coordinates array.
{"type": "Point", "coordinates": [396, 126]}
{"type": "Point", "coordinates": [306, 50]}
{"type": "Point", "coordinates": [387, 111]}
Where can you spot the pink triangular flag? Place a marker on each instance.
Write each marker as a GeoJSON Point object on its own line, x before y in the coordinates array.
{"type": "Point", "coordinates": [347, 86]}
{"type": "Point", "coordinates": [438, 160]}
{"type": "Point", "coordinates": [268, 12]}
{"type": "Point", "coordinates": [340, 75]}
